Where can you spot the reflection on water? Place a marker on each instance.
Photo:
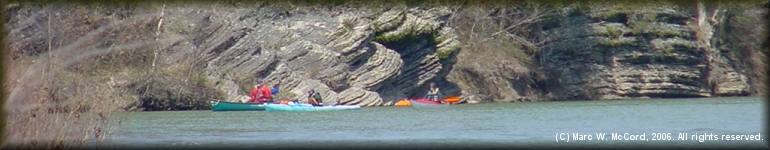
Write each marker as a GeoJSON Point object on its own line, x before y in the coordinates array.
{"type": "Point", "coordinates": [470, 125]}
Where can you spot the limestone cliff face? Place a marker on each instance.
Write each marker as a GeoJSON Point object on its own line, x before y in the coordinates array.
{"type": "Point", "coordinates": [373, 55]}
{"type": "Point", "coordinates": [637, 54]}
{"type": "Point", "coordinates": [349, 57]}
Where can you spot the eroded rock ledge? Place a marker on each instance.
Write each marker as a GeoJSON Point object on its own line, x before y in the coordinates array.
{"type": "Point", "coordinates": [350, 58]}
{"type": "Point", "coordinates": [636, 54]}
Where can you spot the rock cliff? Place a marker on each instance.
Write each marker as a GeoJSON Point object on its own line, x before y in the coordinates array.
{"type": "Point", "coordinates": [641, 53]}
{"type": "Point", "coordinates": [372, 54]}
{"type": "Point", "coordinates": [349, 57]}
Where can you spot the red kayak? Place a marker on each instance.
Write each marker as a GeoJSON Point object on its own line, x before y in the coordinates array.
{"type": "Point", "coordinates": [418, 102]}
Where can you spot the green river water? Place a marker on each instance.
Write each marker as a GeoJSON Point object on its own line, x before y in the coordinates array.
{"type": "Point", "coordinates": [489, 125]}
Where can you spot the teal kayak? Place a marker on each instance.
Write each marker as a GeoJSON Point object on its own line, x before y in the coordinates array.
{"type": "Point", "coordinates": [217, 105]}
{"type": "Point", "coordinates": [307, 107]}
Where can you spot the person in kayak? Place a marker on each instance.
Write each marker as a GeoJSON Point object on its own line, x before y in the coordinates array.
{"type": "Point", "coordinates": [433, 92]}
{"type": "Point", "coordinates": [260, 93]}
{"type": "Point", "coordinates": [314, 98]}
{"type": "Point", "coordinates": [275, 90]}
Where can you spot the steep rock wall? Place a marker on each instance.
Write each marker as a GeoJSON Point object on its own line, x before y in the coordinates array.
{"type": "Point", "coordinates": [374, 54]}
{"type": "Point", "coordinates": [636, 54]}
{"type": "Point", "coordinates": [350, 58]}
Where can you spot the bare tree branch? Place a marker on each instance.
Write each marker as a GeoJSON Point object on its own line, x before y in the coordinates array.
{"type": "Point", "coordinates": [22, 88]}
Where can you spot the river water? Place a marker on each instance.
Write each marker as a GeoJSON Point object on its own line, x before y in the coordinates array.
{"type": "Point", "coordinates": [489, 125]}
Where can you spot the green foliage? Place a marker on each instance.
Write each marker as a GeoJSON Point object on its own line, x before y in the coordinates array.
{"type": "Point", "coordinates": [203, 81]}
{"type": "Point", "coordinates": [651, 16]}
{"type": "Point", "coordinates": [348, 25]}
{"type": "Point", "coordinates": [613, 32]}
{"type": "Point", "coordinates": [612, 42]}
{"type": "Point", "coordinates": [398, 41]}
{"type": "Point", "coordinates": [668, 49]}
{"type": "Point", "coordinates": [741, 17]}
{"type": "Point", "coordinates": [664, 33]}
{"type": "Point", "coordinates": [341, 32]}
{"type": "Point", "coordinates": [444, 54]}
{"type": "Point", "coordinates": [437, 38]}
{"type": "Point", "coordinates": [556, 3]}
{"type": "Point", "coordinates": [648, 26]}
{"type": "Point", "coordinates": [738, 5]}
{"type": "Point", "coordinates": [612, 13]}
{"type": "Point", "coordinates": [662, 58]}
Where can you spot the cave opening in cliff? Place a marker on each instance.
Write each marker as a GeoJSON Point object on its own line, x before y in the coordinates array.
{"type": "Point", "coordinates": [402, 44]}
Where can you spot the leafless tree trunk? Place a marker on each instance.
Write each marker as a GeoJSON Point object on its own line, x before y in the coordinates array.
{"type": "Point", "coordinates": [157, 49]}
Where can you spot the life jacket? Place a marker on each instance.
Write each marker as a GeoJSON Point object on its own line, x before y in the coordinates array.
{"type": "Point", "coordinates": [316, 96]}
{"type": "Point", "coordinates": [315, 99]}
{"type": "Point", "coordinates": [255, 94]}
{"type": "Point", "coordinates": [266, 92]}
{"type": "Point", "coordinates": [433, 91]}
{"type": "Point", "coordinates": [275, 90]}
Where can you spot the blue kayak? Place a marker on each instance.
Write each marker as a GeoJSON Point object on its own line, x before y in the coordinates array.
{"type": "Point", "coordinates": [308, 107]}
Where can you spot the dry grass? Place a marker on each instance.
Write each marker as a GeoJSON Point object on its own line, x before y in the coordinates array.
{"type": "Point", "coordinates": [57, 92]}
{"type": "Point", "coordinates": [38, 118]}
{"type": "Point", "coordinates": [41, 128]}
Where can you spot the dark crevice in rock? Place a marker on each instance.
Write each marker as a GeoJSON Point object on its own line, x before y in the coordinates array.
{"type": "Point", "coordinates": [270, 69]}
{"type": "Point", "coordinates": [249, 14]}
{"type": "Point", "coordinates": [412, 48]}
{"type": "Point", "coordinates": [637, 60]}
{"type": "Point", "coordinates": [361, 60]}
{"type": "Point", "coordinates": [257, 51]}
{"type": "Point", "coordinates": [671, 18]}
{"type": "Point", "coordinates": [408, 40]}
{"type": "Point", "coordinates": [618, 18]}
{"type": "Point", "coordinates": [227, 43]}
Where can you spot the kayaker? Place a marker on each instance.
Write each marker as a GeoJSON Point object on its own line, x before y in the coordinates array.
{"type": "Point", "coordinates": [433, 92]}
{"type": "Point", "coordinates": [314, 98]}
{"type": "Point", "coordinates": [260, 93]}
{"type": "Point", "coordinates": [275, 90]}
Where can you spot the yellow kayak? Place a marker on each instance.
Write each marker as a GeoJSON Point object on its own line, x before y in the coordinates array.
{"type": "Point", "coordinates": [403, 103]}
